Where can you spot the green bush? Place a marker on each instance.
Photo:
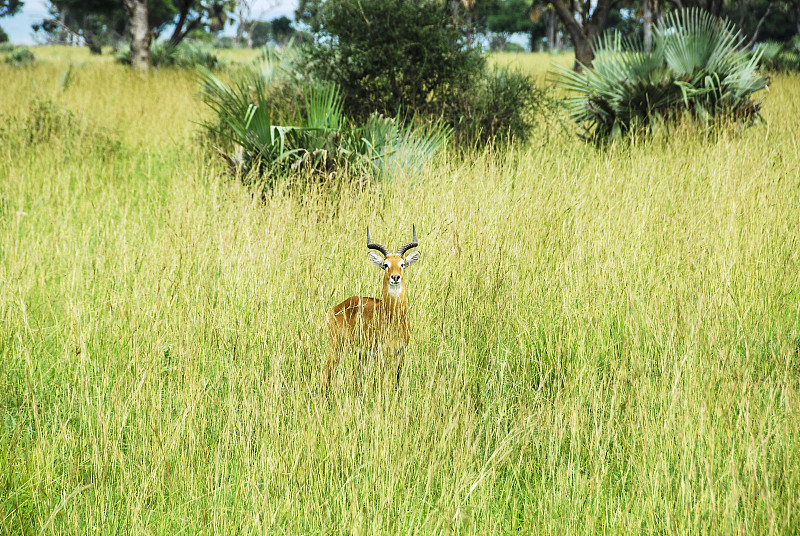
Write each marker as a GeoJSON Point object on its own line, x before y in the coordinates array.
{"type": "Point", "coordinates": [187, 54]}
{"type": "Point", "coordinates": [224, 42]}
{"type": "Point", "coordinates": [21, 56]}
{"type": "Point", "coordinates": [191, 54]}
{"type": "Point", "coordinates": [503, 104]}
{"type": "Point", "coordinates": [280, 84]}
{"type": "Point", "coordinates": [407, 57]}
{"type": "Point", "coordinates": [47, 122]}
{"type": "Point", "coordinates": [392, 55]}
{"type": "Point", "coordinates": [3, 35]}
{"type": "Point", "coordinates": [258, 138]}
{"type": "Point", "coordinates": [780, 57]}
{"type": "Point", "coordinates": [697, 68]}
{"type": "Point", "coordinates": [163, 54]}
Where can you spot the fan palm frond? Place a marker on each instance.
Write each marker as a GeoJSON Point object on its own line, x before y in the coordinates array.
{"type": "Point", "coordinates": [697, 65]}
{"type": "Point", "coordinates": [316, 135]}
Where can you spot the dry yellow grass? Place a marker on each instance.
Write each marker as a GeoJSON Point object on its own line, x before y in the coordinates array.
{"type": "Point", "coordinates": [604, 341]}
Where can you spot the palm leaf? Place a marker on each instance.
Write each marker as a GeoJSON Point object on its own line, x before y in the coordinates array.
{"type": "Point", "coordinates": [696, 65]}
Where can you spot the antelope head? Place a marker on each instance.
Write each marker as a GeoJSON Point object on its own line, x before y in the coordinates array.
{"type": "Point", "coordinates": [394, 265]}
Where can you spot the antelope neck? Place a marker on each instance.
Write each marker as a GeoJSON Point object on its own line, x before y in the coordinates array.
{"type": "Point", "coordinates": [395, 301]}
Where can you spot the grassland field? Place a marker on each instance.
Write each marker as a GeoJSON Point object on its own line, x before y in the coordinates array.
{"type": "Point", "coordinates": [605, 341]}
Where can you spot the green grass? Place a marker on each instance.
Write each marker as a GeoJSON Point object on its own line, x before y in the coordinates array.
{"type": "Point", "coordinates": [604, 341]}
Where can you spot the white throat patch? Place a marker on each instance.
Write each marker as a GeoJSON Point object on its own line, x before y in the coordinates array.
{"type": "Point", "coordinates": [394, 290]}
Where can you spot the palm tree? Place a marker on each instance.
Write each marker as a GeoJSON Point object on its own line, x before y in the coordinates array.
{"type": "Point", "coordinates": [697, 67]}
{"type": "Point", "coordinates": [260, 134]}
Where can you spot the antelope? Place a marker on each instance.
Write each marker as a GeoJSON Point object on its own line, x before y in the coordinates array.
{"type": "Point", "coordinates": [373, 326]}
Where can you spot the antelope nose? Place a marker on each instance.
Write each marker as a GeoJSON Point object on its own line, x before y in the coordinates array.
{"type": "Point", "coordinates": [394, 279]}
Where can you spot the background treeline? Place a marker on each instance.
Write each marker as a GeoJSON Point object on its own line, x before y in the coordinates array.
{"type": "Point", "coordinates": [361, 84]}
{"type": "Point", "coordinates": [511, 25]}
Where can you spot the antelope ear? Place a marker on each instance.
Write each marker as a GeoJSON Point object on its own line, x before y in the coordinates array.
{"type": "Point", "coordinates": [412, 259]}
{"type": "Point", "coordinates": [376, 259]}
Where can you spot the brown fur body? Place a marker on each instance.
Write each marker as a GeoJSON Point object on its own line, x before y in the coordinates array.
{"type": "Point", "coordinates": [370, 326]}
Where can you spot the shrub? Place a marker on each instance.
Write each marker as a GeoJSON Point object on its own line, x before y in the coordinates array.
{"type": "Point", "coordinates": [21, 56]}
{"type": "Point", "coordinates": [314, 137]}
{"type": "Point", "coordinates": [697, 68]}
{"type": "Point", "coordinates": [503, 104]}
{"type": "Point", "coordinates": [187, 54]}
{"type": "Point", "coordinates": [47, 122]}
{"type": "Point", "coordinates": [408, 57]}
{"type": "Point", "coordinates": [193, 54]}
{"type": "Point", "coordinates": [123, 54]}
{"type": "Point", "coordinates": [274, 78]}
{"type": "Point", "coordinates": [224, 42]}
{"type": "Point", "coordinates": [163, 54]}
{"type": "Point", "coordinates": [3, 35]}
{"type": "Point", "coordinates": [780, 57]}
{"type": "Point", "coordinates": [392, 55]}
{"type": "Point", "coordinates": [513, 47]}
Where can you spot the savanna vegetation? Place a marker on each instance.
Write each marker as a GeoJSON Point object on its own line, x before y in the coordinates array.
{"type": "Point", "coordinates": [606, 339]}
{"type": "Point", "coordinates": [697, 68]}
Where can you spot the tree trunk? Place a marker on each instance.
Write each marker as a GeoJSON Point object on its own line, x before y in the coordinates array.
{"type": "Point", "coordinates": [758, 26]}
{"type": "Point", "coordinates": [140, 33]}
{"type": "Point", "coordinates": [551, 30]}
{"type": "Point", "coordinates": [237, 39]}
{"type": "Point", "coordinates": [648, 26]}
{"type": "Point", "coordinates": [584, 28]}
{"type": "Point", "coordinates": [184, 24]}
{"type": "Point", "coordinates": [583, 52]}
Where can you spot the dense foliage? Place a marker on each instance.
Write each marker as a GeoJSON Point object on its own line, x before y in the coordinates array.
{"type": "Point", "coordinates": [768, 20]}
{"type": "Point", "coordinates": [10, 7]}
{"type": "Point", "coordinates": [20, 56]}
{"type": "Point", "coordinates": [393, 55]}
{"type": "Point", "coordinates": [780, 57]}
{"type": "Point", "coordinates": [272, 122]}
{"type": "Point", "coordinates": [407, 57]}
{"type": "Point", "coordinates": [503, 104]}
{"type": "Point", "coordinates": [185, 54]}
{"type": "Point", "coordinates": [97, 22]}
{"type": "Point", "coordinates": [696, 68]}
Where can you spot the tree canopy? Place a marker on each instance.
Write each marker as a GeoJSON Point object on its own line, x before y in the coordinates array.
{"type": "Point", "coordinates": [392, 55]}
{"type": "Point", "coordinates": [10, 7]}
{"type": "Point", "coordinates": [100, 22]}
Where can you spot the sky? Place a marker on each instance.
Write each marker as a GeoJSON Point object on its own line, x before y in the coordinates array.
{"type": "Point", "coordinates": [19, 29]}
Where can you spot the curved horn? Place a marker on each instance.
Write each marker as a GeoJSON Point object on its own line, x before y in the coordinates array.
{"type": "Point", "coordinates": [378, 247]}
{"type": "Point", "coordinates": [411, 244]}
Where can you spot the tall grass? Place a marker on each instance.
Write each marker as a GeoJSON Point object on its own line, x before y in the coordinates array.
{"type": "Point", "coordinates": [603, 341]}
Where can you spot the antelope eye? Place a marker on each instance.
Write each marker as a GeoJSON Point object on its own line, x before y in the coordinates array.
{"type": "Point", "coordinates": [385, 265]}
